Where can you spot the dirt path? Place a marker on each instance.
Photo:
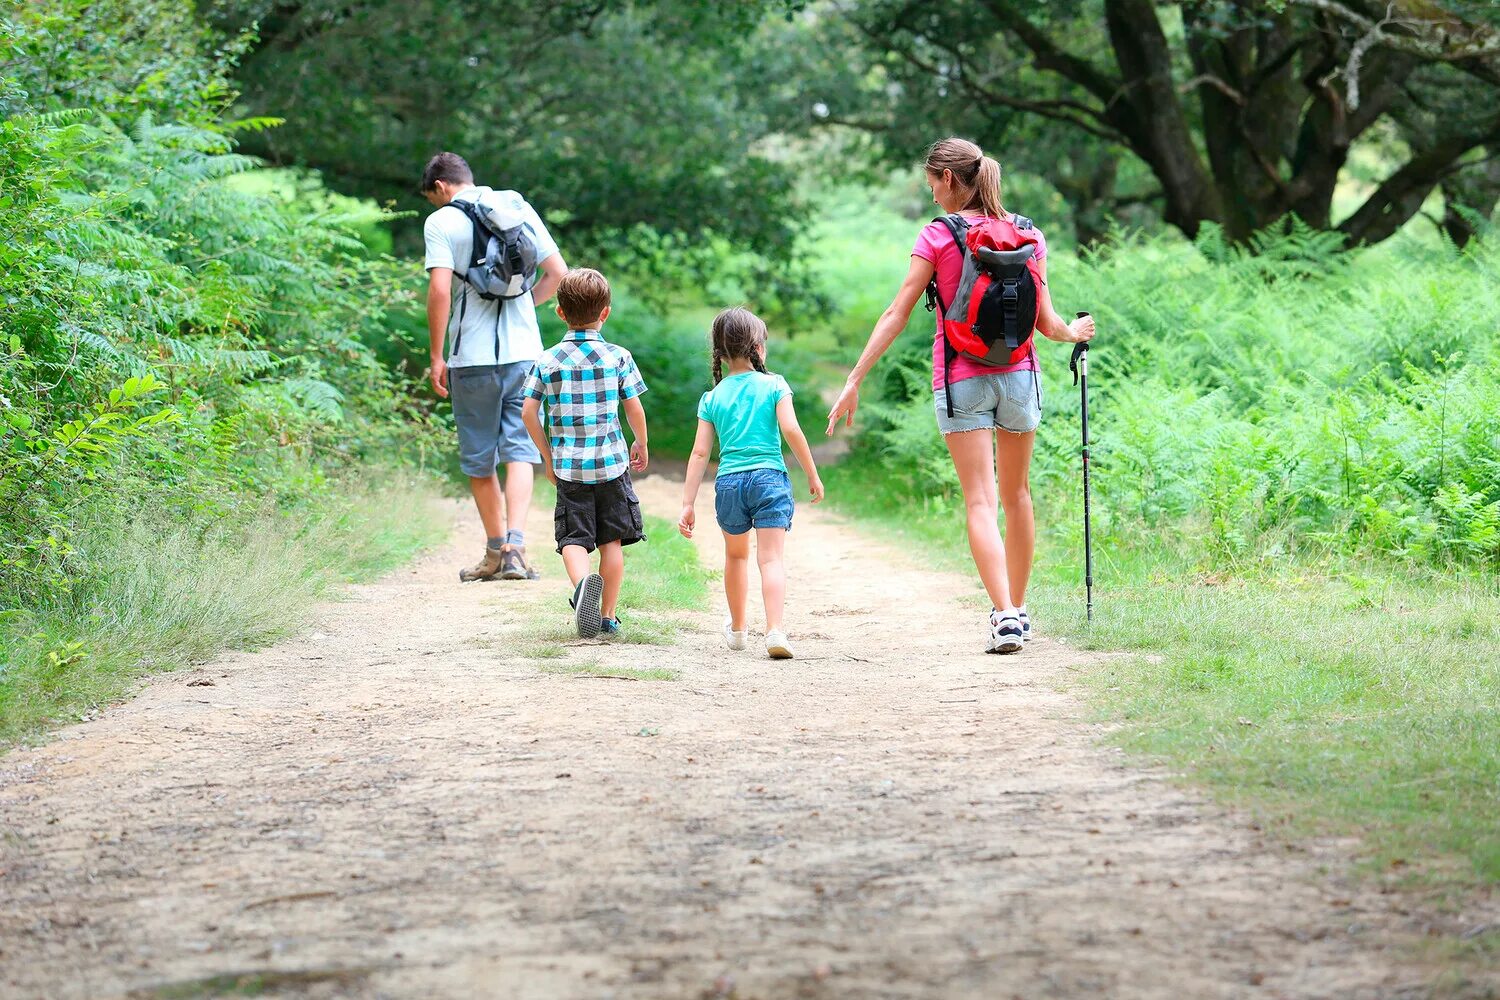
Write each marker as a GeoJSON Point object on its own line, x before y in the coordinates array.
{"type": "Point", "coordinates": [393, 806]}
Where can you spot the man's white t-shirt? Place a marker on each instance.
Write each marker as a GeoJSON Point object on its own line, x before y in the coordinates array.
{"type": "Point", "coordinates": [450, 243]}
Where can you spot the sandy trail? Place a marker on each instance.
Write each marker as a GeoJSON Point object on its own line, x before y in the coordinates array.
{"type": "Point", "coordinates": [394, 805]}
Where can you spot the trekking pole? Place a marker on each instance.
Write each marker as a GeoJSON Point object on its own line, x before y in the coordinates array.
{"type": "Point", "coordinates": [1078, 364]}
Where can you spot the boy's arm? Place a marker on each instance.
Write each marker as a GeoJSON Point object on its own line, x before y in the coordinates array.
{"type": "Point", "coordinates": [703, 445]}
{"type": "Point", "coordinates": [786, 416]}
{"type": "Point", "coordinates": [635, 416]}
{"type": "Point", "coordinates": [531, 416]}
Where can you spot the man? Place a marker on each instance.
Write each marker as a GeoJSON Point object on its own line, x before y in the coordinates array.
{"type": "Point", "coordinates": [484, 363]}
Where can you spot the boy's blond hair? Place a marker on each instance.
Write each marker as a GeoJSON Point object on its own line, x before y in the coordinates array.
{"type": "Point", "coordinates": [582, 296]}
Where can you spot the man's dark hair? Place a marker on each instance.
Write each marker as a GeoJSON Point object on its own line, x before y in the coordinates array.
{"type": "Point", "coordinates": [448, 167]}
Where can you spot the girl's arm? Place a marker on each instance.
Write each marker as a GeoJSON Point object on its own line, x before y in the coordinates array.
{"type": "Point", "coordinates": [703, 445]}
{"type": "Point", "coordinates": [786, 416]}
{"type": "Point", "coordinates": [1052, 326]}
{"type": "Point", "coordinates": [887, 329]}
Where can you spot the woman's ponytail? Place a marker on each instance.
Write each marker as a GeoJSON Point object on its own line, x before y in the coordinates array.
{"type": "Point", "coordinates": [987, 188]}
{"type": "Point", "coordinates": [975, 175]}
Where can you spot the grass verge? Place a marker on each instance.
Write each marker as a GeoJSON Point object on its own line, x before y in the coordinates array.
{"type": "Point", "coordinates": [178, 592]}
{"type": "Point", "coordinates": [1336, 698]}
{"type": "Point", "coordinates": [620, 673]}
{"type": "Point", "coordinates": [662, 578]}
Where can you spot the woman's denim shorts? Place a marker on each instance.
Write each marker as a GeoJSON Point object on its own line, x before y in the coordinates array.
{"type": "Point", "coordinates": [755, 498]}
{"type": "Point", "coordinates": [1010, 401]}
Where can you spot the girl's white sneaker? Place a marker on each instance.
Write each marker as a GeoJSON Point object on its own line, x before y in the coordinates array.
{"type": "Point", "coordinates": [777, 647]}
{"type": "Point", "coordinates": [733, 639]}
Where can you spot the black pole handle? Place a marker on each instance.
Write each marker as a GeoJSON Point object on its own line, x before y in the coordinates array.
{"type": "Point", "coordinates": [1079, 350]}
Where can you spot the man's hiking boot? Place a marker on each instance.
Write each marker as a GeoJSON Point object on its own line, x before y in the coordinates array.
{"type": "Point", "coordinates": [587, 614]}
{"type": "Point", "coordinates": [484, 569]}
{"type": "Point", "coordinates": [513, 565]}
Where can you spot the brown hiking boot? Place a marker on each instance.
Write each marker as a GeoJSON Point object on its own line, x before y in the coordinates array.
{"type": "Point", "coordinates": [485, 569]}
{"type": "Point", "coordinates": [513, 565]}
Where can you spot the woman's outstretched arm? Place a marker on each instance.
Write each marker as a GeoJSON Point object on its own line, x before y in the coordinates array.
{"type": "Point", "coordinates": [1053, 326]}
{"type": "Point", "coordinates": [887, 329]}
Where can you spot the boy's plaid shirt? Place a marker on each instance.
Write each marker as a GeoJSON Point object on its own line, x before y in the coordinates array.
{"type": "Point", "coordinates": [582, 381]}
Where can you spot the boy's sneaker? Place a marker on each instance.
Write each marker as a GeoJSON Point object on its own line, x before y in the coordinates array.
{"type": "Point", "coordinates": [1025, 624]}
{"type": "Point", "coordinates": [732, 639]}
{"type": "Point", "coordinates": [587, 614]}
{"type": "Point", "coordinates": [777, 647]}
{"type": "Point", "coordinates": [609, 628]}
{"type": "Point", "coordinates": [1005, 632]}
{"type": "Point", "coordinates": [484, 569]}
{"type": "Point", "coordinates": [513, 565]}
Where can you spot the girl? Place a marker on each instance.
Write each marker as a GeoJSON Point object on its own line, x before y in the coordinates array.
{"type": "Point", "coordinates": [750, 410]}
{"type": "Point", "coordinates": [995, 410]}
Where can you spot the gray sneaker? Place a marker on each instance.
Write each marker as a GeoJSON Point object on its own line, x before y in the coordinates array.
{"type": "Point", "coordinates": [587, 614]}
{"type": "Point", "coordinates": [513, 565]}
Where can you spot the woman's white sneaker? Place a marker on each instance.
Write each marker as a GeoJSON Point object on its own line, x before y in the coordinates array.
{"type": "Point", "coordinates": [733, 639]}
{"type": "Point", "coordinates": [1025, 624]}
{"type": "Point", "coordinates": [777, 646]}
{"type": "Point", "coordinates": [1005, 632]}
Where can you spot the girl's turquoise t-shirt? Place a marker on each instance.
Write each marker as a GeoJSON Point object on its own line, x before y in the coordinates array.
{"type": "Point", "coordinates": [742, 409]}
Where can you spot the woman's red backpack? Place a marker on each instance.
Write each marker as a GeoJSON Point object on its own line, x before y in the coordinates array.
{"type": "Point", "coordinates": [993, 315]}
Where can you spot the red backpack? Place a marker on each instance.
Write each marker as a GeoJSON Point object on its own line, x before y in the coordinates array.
{"type": "Point", "coordinates": [993, 315]}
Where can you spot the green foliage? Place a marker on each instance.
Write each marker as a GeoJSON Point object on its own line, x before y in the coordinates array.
{"type": "Point", "coordinates": [178, 348]}
{"type": "Point", "coordinates": [1285, 399]}
{"type": "Point", "coordinates": [540, 103]}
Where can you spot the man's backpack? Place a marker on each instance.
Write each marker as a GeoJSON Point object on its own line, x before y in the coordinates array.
{"type": "Point", "coordinates": [993, 315]}
{"type": "Point", "coordinates": [503, 257]}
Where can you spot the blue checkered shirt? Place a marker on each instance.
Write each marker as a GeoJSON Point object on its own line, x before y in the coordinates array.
{"type": "Point", "coordinates": [582, 381]}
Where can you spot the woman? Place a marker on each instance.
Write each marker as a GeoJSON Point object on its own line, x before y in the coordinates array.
{"type": "Point", "coordinates": [999, 404]}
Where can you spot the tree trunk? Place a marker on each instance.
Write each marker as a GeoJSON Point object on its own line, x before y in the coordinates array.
{"type": "Point", "coordinates": [1161, 135]}
{"type": "Point", "coordinates": [1471, 192]}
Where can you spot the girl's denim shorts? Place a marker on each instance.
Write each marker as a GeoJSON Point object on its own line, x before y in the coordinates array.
{"type": "Point", "coordinates": [1010, 401]}
{"type": "Point", "coordinates": [755, 498]}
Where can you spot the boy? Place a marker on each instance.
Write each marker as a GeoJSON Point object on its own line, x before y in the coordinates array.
{"type": "Point", "coordinates": [585, 380]}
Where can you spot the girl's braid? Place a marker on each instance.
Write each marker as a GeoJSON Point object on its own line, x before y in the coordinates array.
{"type": "Point", "coordinates": [737, 333]}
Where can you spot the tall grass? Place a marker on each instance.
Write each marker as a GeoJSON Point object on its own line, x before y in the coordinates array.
{"type": "Point", "coordinates": [170, 591]}
{"type": "Point", "coordinates": [1346, 695]}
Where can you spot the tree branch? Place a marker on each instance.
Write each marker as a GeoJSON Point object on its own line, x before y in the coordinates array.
{"type": "Point", "coordinates": [1052, 57]}
{"type": "Point", "coordinates": [1448, 39]}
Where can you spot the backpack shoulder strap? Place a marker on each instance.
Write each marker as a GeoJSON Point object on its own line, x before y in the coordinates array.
{"type": "Point", "coordinates": [479, 241]}
{"type": "Point", "coordinates": [957, 225]}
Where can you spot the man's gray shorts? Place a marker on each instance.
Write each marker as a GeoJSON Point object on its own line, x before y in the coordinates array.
{"type": "Point", "coordinates": [487, 409]}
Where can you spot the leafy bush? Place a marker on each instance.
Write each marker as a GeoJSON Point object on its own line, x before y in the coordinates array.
{"type": "Point", "coordinates": [176, 345]}
{"type": "Point", "coordinates": [1289, 399]}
